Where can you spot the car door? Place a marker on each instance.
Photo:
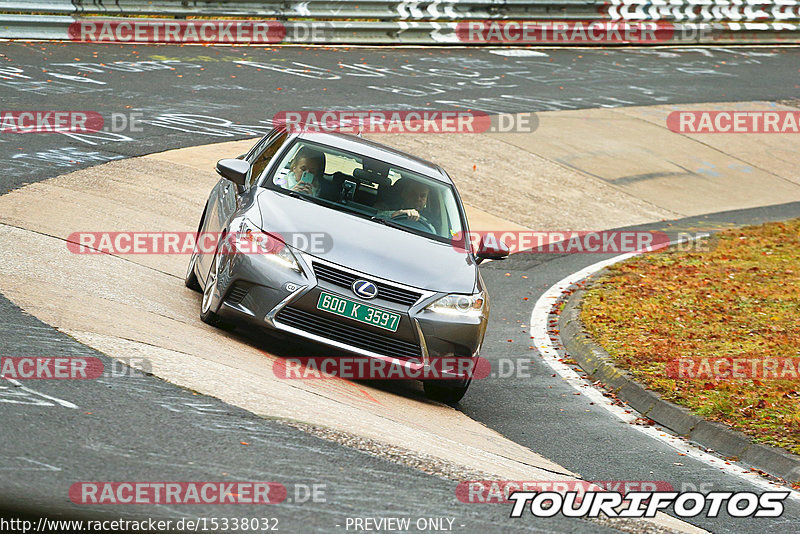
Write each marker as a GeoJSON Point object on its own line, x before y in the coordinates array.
{"type": "Point", "coordinates": [226, 196]}
{"type": "Point", "coordinates": [261, 158]}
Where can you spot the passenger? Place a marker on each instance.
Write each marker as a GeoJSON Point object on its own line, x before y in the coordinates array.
{"type": "Point", "coordinates": [412, 200]}
{"type": "Point", "coordinates": [305, 171]}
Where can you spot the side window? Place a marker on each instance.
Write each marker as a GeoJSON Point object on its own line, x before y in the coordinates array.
{"type": "Point", "coordinates": [261, 161]}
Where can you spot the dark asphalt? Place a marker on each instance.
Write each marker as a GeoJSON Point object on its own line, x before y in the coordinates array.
{"type": "Point", "coordinates": [143, 428]}
{"type": "Point", "coordinates": [192, 95]}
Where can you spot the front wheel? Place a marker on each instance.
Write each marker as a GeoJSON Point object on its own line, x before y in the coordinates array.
{"type": "Point", "coordinates": [191, 278]}
{"type": "Point", "coordinates": [206, 315]}
{"type": "Point", "coordinates": [446, 391]}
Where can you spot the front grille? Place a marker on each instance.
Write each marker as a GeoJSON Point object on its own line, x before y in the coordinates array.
{"type": "Point", "coordinates": [236, 294]}
{"type": "Point", "coordinates": [350, 335]}
{"type": "Point", "coordinates": [345, 279]}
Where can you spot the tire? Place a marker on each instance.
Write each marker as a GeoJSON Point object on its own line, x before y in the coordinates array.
{"type": "Point", "coordinates": [190, 280]}
{"type": "Point", "coordinates": [446, 391]}
{"type": "Point", "coordinates": [206, 315]}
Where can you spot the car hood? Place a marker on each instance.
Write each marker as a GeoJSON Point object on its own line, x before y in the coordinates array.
{"type": "Point", "coordinates": [367, 246]}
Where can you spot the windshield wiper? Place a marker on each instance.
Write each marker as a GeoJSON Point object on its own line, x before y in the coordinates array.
{"type": "Point", "coordinates": [387, 222]}
{"type": "Point", "coordinates": [354, 211]}
{"type": "Point", "coordinates": [324, 202]}
{"type": "Point", "coordinates": [390, 223]}
{"type": "Point", "coordinates": [295, 194]}
{"type": "Point", "coordinates": [350, 209]}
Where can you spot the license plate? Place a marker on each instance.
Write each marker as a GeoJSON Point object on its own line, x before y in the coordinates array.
{"type": "Point", "coordinates": [358, 312]}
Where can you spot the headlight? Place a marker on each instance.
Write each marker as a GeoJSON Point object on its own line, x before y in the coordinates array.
{"type": "Point", "coordinates": [251, 240]}
{"type": "Point", "coordinates": [286, 258]}
{"type": "Point", "coordinates": [454, 304]}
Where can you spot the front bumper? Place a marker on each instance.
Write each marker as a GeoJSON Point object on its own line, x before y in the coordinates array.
{"type": "Point", "coordinates": [258, 291]}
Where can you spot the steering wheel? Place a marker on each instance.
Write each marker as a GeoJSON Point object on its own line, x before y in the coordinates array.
{"type": "Point", "coordinates": [422, 223]}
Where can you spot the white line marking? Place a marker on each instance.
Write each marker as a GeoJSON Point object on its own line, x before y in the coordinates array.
{"type": "Point", "coordinates": [42, 466]}
{"type": "Point", "coordinates": [47, 467]}
{"type": "Point", "coordinates": [516, 52]}
{"type": "Point", "coordinates": [541, 340]}
{"type": "Point", "coordinates": [65, 404]}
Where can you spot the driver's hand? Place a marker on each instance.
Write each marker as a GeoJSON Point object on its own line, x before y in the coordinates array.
{"type": "Point", "coordinates": [303, 188]}
{"type": "Point", "coordinates": [412, 214]}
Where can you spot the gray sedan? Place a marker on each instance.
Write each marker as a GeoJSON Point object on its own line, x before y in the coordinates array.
{"type": "Point", "coordinates": [350, 244]}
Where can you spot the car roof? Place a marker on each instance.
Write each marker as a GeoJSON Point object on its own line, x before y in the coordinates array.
{"type": "Point", "coordinates": [371, 149]}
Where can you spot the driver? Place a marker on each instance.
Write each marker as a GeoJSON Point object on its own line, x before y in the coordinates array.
{"type": "Point", "coordinates": [414, 195]}
{"type": "Point", "coordinates": [305, 171]}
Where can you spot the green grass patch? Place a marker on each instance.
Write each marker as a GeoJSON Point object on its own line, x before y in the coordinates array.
{"type": "Point", "coordinates": [741, 299]}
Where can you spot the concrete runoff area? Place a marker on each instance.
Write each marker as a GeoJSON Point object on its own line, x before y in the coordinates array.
{"type": "Point", "coordinates": [604, 168]}
{"type": "Point", "coordinates": [136, 305]}
{"type": "Point", "coordinates": [642, 171]}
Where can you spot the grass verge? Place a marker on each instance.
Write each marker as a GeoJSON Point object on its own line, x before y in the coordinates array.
{"type": "Point", "coordinates": [740, 299]}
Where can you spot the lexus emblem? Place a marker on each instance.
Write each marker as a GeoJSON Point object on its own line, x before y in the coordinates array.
{"type": "Point", "coordinates": [365, 289]}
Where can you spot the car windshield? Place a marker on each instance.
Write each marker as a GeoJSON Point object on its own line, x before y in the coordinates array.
{"type": "Point", "coordinates": [370, 188]}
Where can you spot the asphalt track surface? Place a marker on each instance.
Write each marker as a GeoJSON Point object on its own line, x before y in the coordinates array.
{"type": "Point", "coordinates": [139, 426]}
{"type": "Point", "coordinates": [193, 95]}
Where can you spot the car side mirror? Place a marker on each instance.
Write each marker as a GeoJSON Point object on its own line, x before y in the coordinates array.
{"type": "Point", "coordinates": [234, 170]}
{"type": "Point", "coordinates": [496, 249]}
